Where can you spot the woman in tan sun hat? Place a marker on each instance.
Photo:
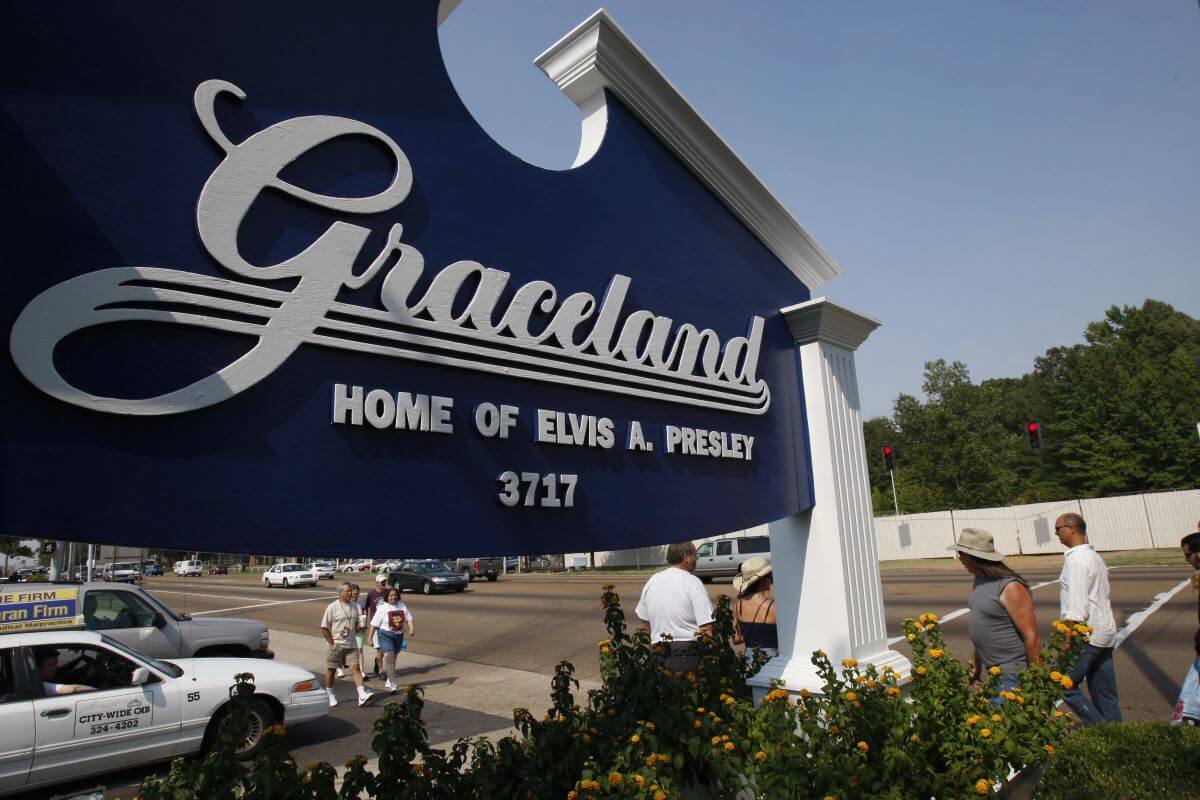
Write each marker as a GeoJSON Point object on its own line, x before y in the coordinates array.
{"type": "Point", "coordinates": [754, 611]}
{"type": "Point", "coordinates": [1003, 625]}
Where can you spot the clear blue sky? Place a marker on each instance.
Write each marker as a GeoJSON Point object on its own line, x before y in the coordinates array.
{"type": "Point", "coordinates": [989, 176]}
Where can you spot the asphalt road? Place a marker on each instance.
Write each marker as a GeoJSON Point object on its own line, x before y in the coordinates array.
{"type": "Point", "coordinates": [528, 623]}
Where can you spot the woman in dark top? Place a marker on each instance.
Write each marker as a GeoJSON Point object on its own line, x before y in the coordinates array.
{"type": "Point", "coordinates": [1003, 625]}
{"type": "Point", "coordinates": [754, 611]}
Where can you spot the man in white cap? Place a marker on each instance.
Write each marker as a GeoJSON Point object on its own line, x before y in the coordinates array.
{"type": "Point", "coordinates": [373, 597]}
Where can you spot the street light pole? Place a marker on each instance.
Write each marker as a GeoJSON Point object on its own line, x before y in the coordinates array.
{"type": "Point", "coordinates": [895, 500]}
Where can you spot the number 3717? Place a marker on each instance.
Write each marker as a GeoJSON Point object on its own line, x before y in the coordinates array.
{"type": "Point", "coordinates": [536, 489]}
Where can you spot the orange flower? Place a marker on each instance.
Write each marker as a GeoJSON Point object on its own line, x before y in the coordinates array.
{"type": "Point", "coordinates": [983, 787]}
{"type": "Point", "coordinates": [615, 779]}
{"type": "Point", "coordinates": [1066, 682]}
{"type": "Point", "coordinates": [863, 746]}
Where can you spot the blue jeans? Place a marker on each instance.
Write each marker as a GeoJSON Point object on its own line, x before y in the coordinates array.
{"type": "Point", "coordinates": [1005, 683]}
{"type": "Point", "coordinates": [1096, 666]}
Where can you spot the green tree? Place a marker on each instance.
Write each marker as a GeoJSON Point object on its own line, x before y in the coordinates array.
{"type": "Point", "coordinates": [11, 546]}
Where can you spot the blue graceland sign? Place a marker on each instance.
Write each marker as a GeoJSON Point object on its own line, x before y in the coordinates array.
{"type": "Point", "coordinates": [269, 288]}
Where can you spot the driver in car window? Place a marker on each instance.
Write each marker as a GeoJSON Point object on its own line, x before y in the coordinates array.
{"type": "Point", "coordinates": [47, 661]}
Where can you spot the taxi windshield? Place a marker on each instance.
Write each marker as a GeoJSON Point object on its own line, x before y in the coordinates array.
{"type": "Point", "coordinates": [161, 666]}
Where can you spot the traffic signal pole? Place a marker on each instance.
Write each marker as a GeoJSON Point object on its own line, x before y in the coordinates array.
{"type": "Point", "coordinates": [895, 500]}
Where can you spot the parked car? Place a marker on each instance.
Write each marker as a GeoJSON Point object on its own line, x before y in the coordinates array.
{"type": "Point", "coordinates": [427, 576]}
{"type": "Point", "coordinates": [189, 567]}
{"type": "Point", "coordinates": [289, 575]}
{"type": "Point", "coordinates": [358, 566]}
{"type": "Point", "coordinates": [722, 558]}
{"type": "Point", "coordinates": [218, 569]}
{"type": "Point", "coordinates": [138, 619]}
{"type": "Point", "coordinates": [324, 570]}
{"type": "Point", "coordinates": [28, 574]}
{"type": "Point", "coordinates": [140, 710]}
{"type": "Point", "coordinates": [476, 568]}
{"type": "Point", "coordinates": [151, 568]}
{"type": "Point", "coordinates": [121, 572]}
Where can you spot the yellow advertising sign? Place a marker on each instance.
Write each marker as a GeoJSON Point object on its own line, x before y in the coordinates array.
{"type": "Point", "coordinates": [39, 609]}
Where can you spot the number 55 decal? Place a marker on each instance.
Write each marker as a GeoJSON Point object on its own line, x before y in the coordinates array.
{"type": "Point", "coordinates": [193, 697]}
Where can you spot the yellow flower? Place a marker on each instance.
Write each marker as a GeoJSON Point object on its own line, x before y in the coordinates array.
{"type": "Point", "coordinates": [760, 756]}
{"type": "Point", "coordinates": [860, 679]}
{"type": "Point", "coordinates": [994, 670]}
{"type": "Point", "coordinates": [615, 779]}
{"type": "Point", "coordinates": [936, 653]}
{"type": "Point", "coordinates": [660, 795]}
{"type": "Point", "coordinates": [863, 746]}
{"type": "Point", "coordinates": [916, 737]}
{"type": "Point", "coordinates": [971, 720]}
{"type": "Point", "coordinates": [849, 663]}
{"type": "Point", "coordinates": [571, 795]}
{"type": "Point", "coordinates": [639, 780]}
{"type": "Point", "coordinates": [820, 654]}
{"type": "Point", "coordinates": [983, 787]}
{"type": "Point", "coordinates": [805, 693]}
{"type": "Point", "coordinates": [649, 726]}
{"type": "Point", "coordinates": [834, 729]}
{"type": "Point", "coordinates": [996, 718]}
{"type": "Point", "coordinates": [728, 746]}
{"type": "Point", "coordinates": [587, 739]}
{"type": "Point", "coordinates": [1049, 749]}
{"type": "Point", "coordinates": [986, 732]}
{"type": "Point", "coordinates": [871, 684]}
{"type": "Point", "coordinates": [851, 696]}
{"type": "Point", "coordinates": [911, 636]}
{"type": "Point", "coordinates": [893, 691]}
{"type": "Point", "coordinates": [700, 710]}
{"type": "Point", "coordinates": [697, 725]}
{"type": "Point", "coordinates": [716, 740]}
{"type": "Point", "coordinates": [691, 676]}
{"type": "Point", "coordinates": [1056, 676]}
{"type": "Point", "coordinates": [606, 650]}
{"type": "Point", "coordinates": [921, 670]}
{"type": "Point", "coordinates": [1058, 715]}
{"type": "Point", "coordinates": [634, 739]}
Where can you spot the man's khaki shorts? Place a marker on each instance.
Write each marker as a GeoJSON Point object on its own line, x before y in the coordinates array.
{"type": "Point", "coordinates": [339, 657]}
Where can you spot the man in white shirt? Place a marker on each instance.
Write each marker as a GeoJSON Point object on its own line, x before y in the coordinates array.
{"type": "Point", "coordinates": [675, 603]}
{"type": "Point", "coordinates": [1083, 597]}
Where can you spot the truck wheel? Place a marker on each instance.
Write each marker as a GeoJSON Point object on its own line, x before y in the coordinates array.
{"type": "Point", "coordinates": [492, 578]}
{"type": "Point", "coordinates": [466, 573]}
{"type": "Point", "coordinates": [426, 588]}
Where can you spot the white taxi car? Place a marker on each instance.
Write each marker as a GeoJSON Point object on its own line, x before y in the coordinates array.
{"type": "Point", "coordinates": [125, 708]}
{"type": "Point", "coordinates": [288, 575]}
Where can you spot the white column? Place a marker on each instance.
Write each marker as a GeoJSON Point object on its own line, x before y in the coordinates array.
{"type": "Point", "coordinates": [827, 589]}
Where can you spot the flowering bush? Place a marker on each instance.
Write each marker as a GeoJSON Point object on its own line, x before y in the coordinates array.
{"type": "Point", "coordinates": [649, 732]}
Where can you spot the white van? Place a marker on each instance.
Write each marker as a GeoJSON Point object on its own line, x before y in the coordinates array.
{"type": "Point", "coordinates": [185, 568]}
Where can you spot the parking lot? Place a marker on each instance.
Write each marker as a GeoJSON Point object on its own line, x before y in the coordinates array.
{"type": "Point", "coordinates": [479, 653]}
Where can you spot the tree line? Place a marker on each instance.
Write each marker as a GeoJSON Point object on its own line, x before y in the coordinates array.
{"type": "Point", "coordinates": [1118, 415]}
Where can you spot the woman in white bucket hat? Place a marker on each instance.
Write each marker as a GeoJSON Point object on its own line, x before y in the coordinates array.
{"type": "Point", "coordinates": [754, 611]}
{"type": "Point", "coordinates": [1002, 623]}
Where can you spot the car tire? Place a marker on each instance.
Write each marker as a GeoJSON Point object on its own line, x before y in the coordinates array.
{"type": "Point", "coordinates": [262, 716]}
{"type": "Point", "coordinates": [285, 583]}
{"type": "Point", "coordinates": [492, 578]}
{"type": "Point", "coordinates": [705, 578]}
{"type": "Point", "coordinates": [427, 587]}
{"type": "Point", "coordinates": [266, 584]}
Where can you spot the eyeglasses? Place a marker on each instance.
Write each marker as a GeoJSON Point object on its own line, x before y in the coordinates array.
{"type": "Point", "coordinates": [1060, 527]}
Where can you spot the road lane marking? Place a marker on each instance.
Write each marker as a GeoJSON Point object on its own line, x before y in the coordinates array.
{"type": "Point", "coordinates": [960, 611]}
{"type": "Point", "coordinates": [263, 605]}
{"type": "Point", "coordinates": [1135, 620]}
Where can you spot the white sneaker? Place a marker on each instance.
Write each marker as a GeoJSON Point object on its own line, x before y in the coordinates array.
{"type": "Point", "coordinates": [341, 673]}
{"type": "Point", "coordinates": [332, 701]}
{"type": "Point", "coordinates": [391, 687]}
{"type": "Point", "coordinates": [365, 697]}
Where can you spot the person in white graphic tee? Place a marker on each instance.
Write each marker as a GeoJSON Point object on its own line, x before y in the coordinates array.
{"type": "Point", "coordinates": [674, 603]}
{"type": "Point", "coordinates": [1083, 597]}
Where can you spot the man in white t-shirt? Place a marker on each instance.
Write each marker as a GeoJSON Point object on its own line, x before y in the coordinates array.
{"type": "Point", "coordinates": [339, 624]}
{"type": "Point", "coordinates": [1083, 597]}
{"type": "Point", "coordinates": [675, 603]}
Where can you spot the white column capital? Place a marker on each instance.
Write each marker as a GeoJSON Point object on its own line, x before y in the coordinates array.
{"type": "Point", "coordinates": [822, 320]}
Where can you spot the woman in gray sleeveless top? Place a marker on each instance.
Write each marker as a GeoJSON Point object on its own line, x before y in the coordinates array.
{"type": "Point", "coordinates": [1003, 624]}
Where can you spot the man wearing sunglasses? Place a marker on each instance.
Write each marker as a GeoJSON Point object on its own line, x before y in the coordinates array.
{"type": "Point", "coordinates": [1084, 597]}
{"type": "Point", "coordinates": [1187, 709]}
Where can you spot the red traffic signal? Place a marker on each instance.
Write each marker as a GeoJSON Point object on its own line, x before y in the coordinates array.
{"type": "Point", "coordinates": [889, 457]}
{"type": "Point", "coordinates": [1033, 435]}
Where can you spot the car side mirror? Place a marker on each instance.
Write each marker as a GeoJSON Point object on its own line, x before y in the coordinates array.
{"type": "Point", "coordinates": [140, 677]}
{"type": "Point", "coordinates": [159, 620]}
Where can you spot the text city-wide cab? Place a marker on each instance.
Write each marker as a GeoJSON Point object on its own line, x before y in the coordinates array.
{"type": "Point", "coordinates": [134, 710]}
{"type": "Point", "coordinates": [135, 618]}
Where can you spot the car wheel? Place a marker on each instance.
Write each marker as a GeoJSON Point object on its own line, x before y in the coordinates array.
{"type": "Point", "coordinates": [285, 583]}
{"type": "Point", "coordinates": [492, 578]}
{"type": "Point", "coordinates": [705, 578]}
{"type": "Point", "coordinates": [466, 573]}
{"type": "Point", "coordinates": [427, 588]}
{"type": "Point", "coordinates": [261, 718]}
{"type": "Point", "coordinates": [266, 584]}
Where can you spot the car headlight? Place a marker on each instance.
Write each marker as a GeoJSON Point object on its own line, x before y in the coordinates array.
{"type": "Point", "coordinates": [309, 685]}
{"type": "Point", "coordinates": [439, 580]}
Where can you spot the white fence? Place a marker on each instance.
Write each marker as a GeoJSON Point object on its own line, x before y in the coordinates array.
{"type": "Point", "coordinates": [1132, 522]}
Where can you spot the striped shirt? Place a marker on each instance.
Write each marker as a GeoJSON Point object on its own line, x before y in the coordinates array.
{"type": "Point", "coordinates": [1083, 596]}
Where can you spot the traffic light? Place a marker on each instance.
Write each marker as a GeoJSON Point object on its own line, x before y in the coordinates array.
{"type": "Point", "coordinates": [889, 457]}
{"type": "Point", "coordinates": [1033, 435]}
{"type": "Point", "coordinates": [49, 548]}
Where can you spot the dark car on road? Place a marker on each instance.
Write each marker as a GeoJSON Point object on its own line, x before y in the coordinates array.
{"type": "Point", "coordinates": [427, 576]}
{"type": "Point", "coordinates": [218, 569]}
